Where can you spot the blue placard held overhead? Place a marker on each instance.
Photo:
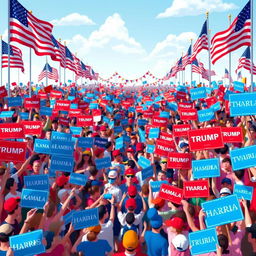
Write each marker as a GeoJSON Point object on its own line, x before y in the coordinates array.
{"type": "Point", "coordinates": [198, 93]}
{"type": "Point", "coordinates": [155, 185]}
{"type": "Point", "coordinates": [102, 163]}
{"type": "Point", "coordinates": [31, 198]}
{"type": "Point", "coordinates": [245, 192]}
{"type": "Point", "coordinates": [14, 101]}
{"type": "Point", "coordinates": [150, 149]}
{"type": "Point", "coordinates": [62, 148]}
{"type": "Point", "coordinates": [76, 130]}
{"type": "Point", "coordinates": [85, 218]}
{"type": "Point", "coordinates": [147, 172]}
{"type": "Point", "coordinates": [153, 133]}
{"type": "Point", "coordinates": [77, 179]}
{"type": "Point", "coordinates": [42, 146]}
{"type": "Point", "coordinates": [205, 115]}
{"type": "Point", "coordinates": [6, 114]}
{"type": "Point", "coordinates": [206, 168]}
{"type": "Point", "coordinates": [238, 86]}
{"type": "Point", "coordinates": [119, 143]}
{"type": "Point", "coordinates": [100, 142]}
{"type": "Point", "coordinates": [24, 115]}
{"type": "Point", "coordinates": [64, 164]}
{"type": "Point", "coordinates": [46, 111]}
{"type": "Point", "coordinates": [61, 136]}
{"type": "Point", "coordinates": [144, 162]}
{"type": "Point", "coordinates": [85, 142]}
{"type": "Point", "coordinates": [37, 182]}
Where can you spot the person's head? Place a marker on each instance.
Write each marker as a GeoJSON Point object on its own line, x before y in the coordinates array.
{"type": "Point", "coordinates": [130, 241]}
{"type": "Point", "coordinates": [229, 122]}
{"type": "Point", "coordinates": [12, 206]}
{"type": "Point", "coordinates": [223, 243]}
{"type": "Point", "coordinates": [54, 125]}
{"type": "Point", "coordinates": [93, 232]}
{"type": "Point", "coordinates": [36, 167]}
{"type": "Point", "coordinates": [62, 181]}
{"type": "Point", "coordinates": [158, 203]}
{"type": "Point", "coordinates": [103, 131]}
{"type": "Point", "coordinates": [94, 191]}
{"type": "Point", "coordinates": [130, 204]}
{"type": "Point", "coordinates": [239, 174]}
{"type": "Point", "coordinates": [226, 163]}
{"type": "Point", "coordinates": [226, 183]}
{"type": "Point", "coordinates": [133, 140]}
{"type": "Point", "coordinates": [63, 194]}
{"type": "Point", "coordinates": [48, 135]}
{"type": "Point", "coordinates": [130, 218]}
{"type": "Point", "coordinates": [109, 146]}
{"type": "Point", "coordinates": [132, 191]}
{"type": "Point", "coordinates": [130, 152]}
{"type": "Point", "coordinates": [161, 176]}
{"type": "Point", "coordinates": [103, 213]}
{"type": "Point", "coordinates": [112, 176]}
{"type": "Point", "coordinates": [176, 224]}
{"type": "Point", "coordinates": [11, 185]}
{"type": "Point", "coordinates": [163, 164]}
{"type": "Point", "coordinates": [180, 243]}
{"type": "Point", "coordinates": [6, 230]}
{"type": "Point", "coordinates": [29, 139]}
{"type": "Point", "coordinates": [145, 190]}
{"type": "Point", "coordinates": [225, 192]}
{"type": "Point", "coordinates": [224, 150]}
{"type": "Point", "coordinates": [131, 164]}
{"type": "Point", "coordinates": [117, 155]}
{"type": "Point", "coordinates": [2, 171]}
{"type": "Point", "coordinates": [129, 175]}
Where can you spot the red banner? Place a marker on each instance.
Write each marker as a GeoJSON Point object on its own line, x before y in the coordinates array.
{"type": "Point", "coordinates": [83, 105]}
{"type": "Point", "coordinates": [3, 92]}
{"type": "Point", "coordinates": [188, 114]}
{"type": "Point", "coordinates": [179, 161]}
{"type": "Point", "coordinates": [11, 131]}
{"type": "Point", "coordinates": [42, 95]}
{"type": "Point", "coordinates": [186, 105]}
{"type": "Point", "coordinates": [48, 88]}
{"type": "Point", "coordinates": [159, 121]}
{"type": "Point", "coordinates": [163, 148]}
{"type": "Point", "coordinates": [74, 112]}
{"type": "Point", "coordinates": [56, 94]}
{"type": "Point", "coordinates": [12, 151]}
{"type": "Point", "coordinates": [198, 188]}
{"type": "Point", "coordinates": [64, 121]}
{"type": "Point", "coordinates": [210, 101]}
{"type": "Point", "coordinates": [232, 134]}
{"type": "Point", "coordinates": [208, 138]}
{"type": "Point", "coordinates": [32, 103]}
{"type": "Point", "coordinates": [32, 127]}
{"type": "Point", "coordinates": [147, 114]}
{"type": "Point", "coordinates": [84, 121]}
{"type": "Point", "coordinates": [171, 193]}
{"type": "Point", "coordinates": [167, 138]}
{"type": "Point", "coordinates": [181, 129]}
{"type": "Point", "coordinates": [181, 95]}
{"type": "Point", "coordinates": [62, 105]}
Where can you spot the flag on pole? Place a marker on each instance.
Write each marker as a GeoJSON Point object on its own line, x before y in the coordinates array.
{"type": "Point", "coordinates": [245, 61]}
{"type": "Point", "coordinates": [227, 75]}
{"type": "Point", "coordinates": [28, 30]}
{"type": "Point", "coordinates": [186, 59]}
{"type": "Point", "coordinates": [69, 60]}
{"type": "Point", "coordinates": [236, 36]}
{"type": "Point", "coordinates": [15, 57]}
{"type": "Point", "coordinates": [59, 50]}
{"type": "Point", "coordinates": [49, 72]}
{"type": "Point", "coordinates": [201, 43]}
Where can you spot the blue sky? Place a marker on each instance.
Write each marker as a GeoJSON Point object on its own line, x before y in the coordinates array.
{"type": "Point", "coordinates": [129, 36]}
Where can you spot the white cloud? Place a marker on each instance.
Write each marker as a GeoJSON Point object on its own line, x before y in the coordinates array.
{"type": "Point", "coordinates": [73, 19]}
{"type": "Point", "coordinates": [195, 7]}
{"type": "Point", "coordinates": [121, 48]}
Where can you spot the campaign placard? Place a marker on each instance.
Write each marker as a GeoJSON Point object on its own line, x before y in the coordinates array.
{"type": "Point", "coordinates": [14, 101]}
{"type": "Point", "coordinates": [56, 94]}
{"type": "Point", "coordinates": [24, 115]}
{"type": "Point", "coordinates": [85, 142]}
{"type": "Point", "coordinates": [155, 185]}
{"type": "Point", "coordinates": [102, 163]}
{"type": "Point", "coordinates": [238, 86]}
{"type": "Point", "coordinates": [144, 162]}
{"type": "Point", "coordinates": [243, 192]}
{"type": "Point", "coordinates": [242, 104]}
{"type": "Point", "coordinates": [64, 164]}
{"type": "Point", "coordinates": [11, 131]}
{"type": "Point", "coordinates": [77, 179]}
{"type": "Point", "coordinates": [232, 134]}
{"type": "Point", "coordinates": [147, 172]}
{"type": "Point", "coordinates": [3, 92]}
{"type": "Point", "coordinates": [153, 133]}
{"type": "Point", "coordinates": [74, 112]}
{"type": "Point", "coordinates": [6, 114]}
{"type": "Point", "coordinates": [188, 114]}
{"type": "Point", "coordinates": [198, 93]}
{"type": "Point", "coordinates": [37, 182]}
{"type": "Point", "coordinates": [31, 198]}
{"type": "Point", "coordinates": [222, 211]}
{"type": "Point", "coordinates": [207, 138]}
{"type": "Point", "coordinates": [85, 218]}
{"type": "Point", "coordinates": [181, 129]}
{"type": "Point", "coordinates": [205, 115]}
{"type": "Point", "coordinates": [179, 161]}
{"type": "Point", "coordinates": [68, 217]}
{"type": "Point", "coordinates": [196, 188]}
{"type": "Point", "coordinates": [46, 111]}
{"type": "Point", "coordinates": [150, 149]}
{"type": "Point", "coordinates": [206, 168]}
{"type": "Point", "coordinates": [84, 121]}
{"type": "Point", "coordinates": [42, 146]}
{"type": "Point", "coordinates": [243, 157]}
{"type": "Point", "coordinates": [32, 127]}
{"type": "Point", "coordinates": [12, 151]}
{"type": "Point", "coordinates": [171, 193]}
{"type": "Point", "coordinates": [30, 103]}
{"type": "Point", "coordinates": [163, 148]}
{"type": "Point", "coordinates": [167, 137]}
{"type": "Point", "coordinates": [100, 142]}
{"type": "Point", "coordinates": [203, 241]}
{"type": "Point", "coordinates": [185, 105]}
{"type": "Point", "coordinates": [62, 105]}
{"type": "Point", "coordinates": [159, 121]}
{"type": "Point", "coordinates": [61, 136]}
{"type": "Point", "coordinates": [28, 244]}
{"type": "Point", "coordinates": [64, 148]}
{"type": "Point", "coordinates": [119, 143]}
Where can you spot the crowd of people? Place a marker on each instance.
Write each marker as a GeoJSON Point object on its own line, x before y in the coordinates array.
{"type": "Point", "coordinates": [134, 220]}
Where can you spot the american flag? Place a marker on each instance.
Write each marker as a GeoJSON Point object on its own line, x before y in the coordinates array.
{"type": "Point", "coordinates": [202, 42]}
{"type": "Point", "coordinates": [49, 72]}
{"type": "Point", "coordinates": [69, 60]}
{"type": "Point", "coordinates": [186, 60]}
{"type": "Point", "coordinates": [59, 51]}
{"type": "Point", "coordinates": [236, 36]}
{"type": "Point", "coordinates": [87, 72]}
{"type": "Point", "coordinates": [198, 67]}
{"type": "Point", "coordinates": [15, 57]}
{"type": "Point", "coordinates": [27, 30]}
{"type": "Point", "coordinates": [78, 66]}
{"type": "Point", "coordinates": [227, 75]}
{"type": "Point", "coordinates": [83, 69]}
{"type": "Point", "coordinates": [245, 61]}
{"type": "Point", "coordinates": [195, 67]}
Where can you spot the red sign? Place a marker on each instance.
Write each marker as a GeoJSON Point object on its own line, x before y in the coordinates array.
{"type": "Point", "coordinates": [171, 193]}
{"type": "Point", "coordinates": [210, 101]}
{"type": "Point", "coordinates": [64, 121]}
{"type": "Point", "coordinates": [186, 105]}
{"type": "Point", "coordinates": [198, 188]}
{"type": "Point", "coordinates": [181, 95]}
{"type": "Point", "coordinates": [179, 160]}
{"type": "Point", "coordinates": [159, 121]}
{"type": "Point", "coordinates": [42, 95]}
{"type": "Point", "coordinates": [84, 121]}
{"type": "Point", "coordinates": [12, 151]}
{"type": "Point", "coordinates": [32, 103]}
{"type": "Point", "coordinates": [96, 112]}
{"type": "Point", "coordinates": [166, 137]}
{"type": "Point", "coordinates": [32, 127]}
{"type": "Point", "coordinates": [11, 131]}
{"type": "Point", "coordinates": [55, 94]}
{"type": "Point", "coordinates": [48, 89]}
{"type": "Point", "coordinates": [188, 114]}
{"type": "Point", "coordinates": [163, 148]}
{"type": "Point", "coordinates": [181, 129]}
{"type": "Point", "coordinates": [74, 112]}
{"type": "Point", "coordinates": [62, 105]}
{"type": "Point", "coordinates": [207, 138]}
{"type": "Point", "coordinates": [170, 98]}
{"type": "Point", "coordinates": [232, 134]}
{"type": "Point", "coordinates": [83, 105]}
{"type": "Point", "coordinates": [3, 92]}
{"type": "Point", "coordinates": [147, 114]}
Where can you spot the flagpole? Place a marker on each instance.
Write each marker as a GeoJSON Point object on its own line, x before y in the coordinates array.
{"type": "Point", "coordinates": [1, 55]}
{"type": "Point", "coordinates": [209, 53]}
{"type": "Point", "coordinates": [30, 67]}
{"type": "Point", "coordinates": [46, 77]}
{"type": "Point", "coordinates": [251, 45]}
{"type": "Point", "coordinates": [60, 67]}
{"type": "Point", "coordinates": [191, 74]}
{"type": "Point", "coordinates": [18, 76]}
{"type": "Point", "coordinates": [229, 56]}
{"type": "Point", "coordinates": [9, 40]}
{"type": "Point", "coordinates": [65, 67]}
{"type": "Point", "coordinates": [182, 71]}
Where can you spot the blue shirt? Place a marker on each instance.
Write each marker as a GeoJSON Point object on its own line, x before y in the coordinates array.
{"type": "Point", "coordinates": [99, 248]}
{"type": "Point", "coordinates": [156, 244]}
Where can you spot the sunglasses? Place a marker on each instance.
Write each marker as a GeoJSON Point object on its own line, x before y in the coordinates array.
{"type": "Point", "coordinates": [111, 178]}
{"type": "Point", "coordinates": [130, 176]}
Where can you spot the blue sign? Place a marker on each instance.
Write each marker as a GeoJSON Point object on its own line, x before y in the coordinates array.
{"type": "Point", "coordinates": [243, 157]}
{"type": "Point", "coordinates": [109, 109]}
{"type": "Point", "coordinates": [242, 104]}
{"type": "Point", "coordinates": [155, 185]}
{"type": "Point", "coordinates": [28, 244]}
{"type": "Point", "coordinates": [119, 143]}
{"type": "Point", "coordinates": [6, 114]}
{"type": "Point", "coordinates": [42, 146]}
{"type": "Point", "coordinates": [45, 111]}
{"type": "Point", "coordinates": [85, 218]}
{"type": "Point", "coordinates": [85, 142]}
{"type": "Point", "coordinates": [203, 241]}
{"type": "Point", "coordinates": [165, 114]}
{"type": "Point", "coordinates": [142, 122]}
{"type": "Point", "coordinates": [150, 149]}
{"type": "Point", "coordinates": [64, 164]}
{"type": "Point", "coordinates": [24, 115]}
{"type": "Point", "coordinates": [144, 162]}
{"type": "Point", "coordinates": [61, 136]}
{"type": "Point", "coordinates": [214, 85]}
{"type": "Point", "coordinates": [31, 198]}
{"type": "Point", "coordinates": [153, 133]}
{"type": "Point", "coordinates": [198, 93]}
{"type": "Point", "coordinates": [106, 119]}
{"type": "Point", "coordinates": [77, 179]}
{"type": "Point", "coordinates": [206, 168]}
{"type": "Point", "coordinates": [142, 135]}
{"type": "Point", "coordinates": [14, 101]}
{"type": "Point", "coordinates": [222, 211]}
{"type": "Point", "coordinates": [118, 129]}
{"type": "Point", "coordinates": [100, 142]}
{"type": "Point", "coordinates": [37, 182]}
{"type": "Point", "coordinates": [205, 115]}
{"type": "Point", "coordinates": [43, 103]}
{"type": "Point", "coordinates": [238, 86]}
{"type": "Point", "coordinates": [147, 172]}
{"type": "Point", "coordinates": [215, 107]}
{"type": "Point", "coordinates": [68, 217]}
{"type": "Point", "coordinates": [116, 101]}
{"type": "Point", "coordinates": [75, 130]}
{"type": "Point", "coordinates": [244, 192]}
{"type": "Point", "coordinates": [102, 163]}
{"type": "Point", "coordinates": [62, 148]}
{"type": "Point", "coordinates": [94, 106]}
{"type": "Point", "coordinates": [124, 122]}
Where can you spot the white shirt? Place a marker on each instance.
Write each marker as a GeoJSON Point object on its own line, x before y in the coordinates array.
{"type": "Point", "coordinates": [115, 191]}
{"type": "Point", "coordinates": [9, 195]}
{"type": "Point", "coordinates": [138, 218]}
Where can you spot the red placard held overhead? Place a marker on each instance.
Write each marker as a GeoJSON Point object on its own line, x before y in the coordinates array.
{"type": "Point", "coordinates": [42, 95]}
{"type": "Point", "coordinates": [208, 138]}
{"type": "Point", "coordinates": [74, 112]}
{"type": "Point", "coordinates": [181, 129]}
{"type": "Point", "coordinates": [188, 114]}
{"type": "Point", "coordinates": [232, 134]}
{"type": "Point", "coordinates": [56, 94]}
{"type": "Point", "coordinates": [186, 105]}
{"type": "Point", "coordinates": [198, 188]}
{"type": "Point", "coordinates": [64, 121]}
{"type": "Point", "coordinates": [159, 121]}
{"type": "Point", "coordinates": [3, 92]}
{"type": "Point", "coordinates": [32, 127]}
{"type": "Point", "coordinates": [32, 103]}
{"type": "Point", "coordinates": [11, 131]}
{"type": "Point", "coordinates": [12, 151]}
{"type": "Point", "coordinates": [167, 138]}
{"type": "Point", "coordinates": [179, 160]}
{"type": "Point", "coordinates": [163, 148]}
{"type": "Point", "coordinates": [62, 105]}
{"type": "Point", "coordinates": [171, 193]}
{"type": "Point", "coordinates": [84, 121]}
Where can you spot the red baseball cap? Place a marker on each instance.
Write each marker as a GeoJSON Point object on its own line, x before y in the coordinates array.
{"type": "Point", "coordinates": [132, 190]}
{"type": "Point", "coordinates": [158, 201]}
{"type": "Point", "coordinates": [130, 150]}
{"type": "Point", "coordinates": [11, 203]}
{"type": "Point", "coordinates": [131, 203]}
{"type": "Point", "coordinates": [103, 128]}
{"type": "Point", "coordinates": [98, 151]}
{"type": "Point", "coordinates": [95, 134]}
{"type": "Point", "coordinates": [62, 180]}
{"type": "Point", "coordinates": [175, 222]}
{"type": "Point", "coordinates": [116, 152]}
{"type": "Point", "coordinates": [129, 171]}
{"type": "Point", "coordinates": [139, 146]}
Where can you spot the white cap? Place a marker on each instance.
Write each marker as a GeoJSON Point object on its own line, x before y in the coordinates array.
{"type": "Point", "coordinates": [29, 136]}
{"type": "Point", "coordinates": [225, 191]}
{"type": "Point", "coordinates": [112, 174]}
{"type": "Point", "coordinates": [62, 192]}
{"type": "Point", "coordinates": [180, 242]}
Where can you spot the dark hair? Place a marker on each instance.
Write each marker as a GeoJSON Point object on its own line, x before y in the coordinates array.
{"type": "Point", "coordinates": [4, 238]}
{"type": "Point", "coordinates": [2, 170]}
{"type": "Point", "coordinates": [224, 150]}
{"type": "Point", "coordinates": [92, 170]}
{"type": "Point", "coordinates": [93, 189]}
{"type": "Point", "coordinates": [223, 242]}
{"type": "Point", "coordinates": [226, 159]}
{"type": "Point", "coordinates": [102, 211]}
{"type": "Point", "coordinates": [108, 144]}
{"type": "Point", "coordinates": [131, 163]}
{"type": "Point", "coordinates": [145, 189]}
{"type": "Point", "coordinates": [239, 174]}
{"type": "Point", "coordinates": [9, 183]}
{"type": "Point", "coordinates": [129, 218]}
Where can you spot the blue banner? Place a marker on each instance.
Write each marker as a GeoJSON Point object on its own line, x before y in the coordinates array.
{"type": "Point", "coordinates": [119, 143]}
{"type": "Point", "coordinates": [153, 133]}
{"type": "Point", "coordinates": [116, 101]}
{"type": "Point", "coordinates": [42, 146]}
{"type": "Point", "coordinates": [37, 182]}
{"type": "Point", "coordinates": [61, 136]}
{"type": "Point", "coordinates": [85, 142]}
{"type": "Point", "coordinates": [31, 198]}
{"type": "Point", "coordinates": [75, 130]}
{"type": "Point", "coordinates": [203, 241]}
{"type": "Point", "coordinates": [102, 163]}
{"type": "Point", "coordinates": [62, 148]}
{"type": "Point", "coordinates": [216, 107]}
{"type": "Point", "coordinates": [198, 93]}
{"type": "Point", "coordinates": [6, 114]}
{"type": "Point", "coordinates": [124, 122]}
{"type": "Point", "coordinates": [28, 244]}
{"type": "Point", "coordinates": [142, 122]}
{"type": "Point", "coordinates": [64, 164]}
{"type": "Point", "coordinates": [24, 115]}
{"type": "Point", "coordinates": [14, 101]}
{"type": "Point", "coordinates": [100, 142]}
{"type": "Point", "coordinates": [150, 149]}
{"type": "Point", "coordinates": [222, 211]}
{"type": "Point", "coordinates": [85, 218]}
{"type": "Point", "coordinates": [243, 157]}
{"type": "Point", "coordinates": [205, 115]}
{"type": "Point", "coordinates": [118, 129]}
{"type": "Point", "coordinates": [244, 192]}
{"type": "Point", "coordinates": [144, 162]}
{"type": "Point", "coordinates": [242, 104]}
{"type": "Point", "coordinates": [106, 119]}
{"type": "Point", "coordinates": [77, 179]}
{"type": "Point", "coordinates": [45, 111]}
{"type": "Point", "coordinates": [165, 114]}
{"type": "Point", "coordinates": [142, 135]}
{"type": "Point", "coordinates": [109, 109]}
{"type": "Point", "coordinates": [206, 168]}
{"type": "Point", "coordinates": [94, 106]}
{"type": "Point", "coordinates": [238, 86]}
{"type": "Point", "coordinates": [155, 185]}
{"type": "Point", "coordinates": [147, 172]}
